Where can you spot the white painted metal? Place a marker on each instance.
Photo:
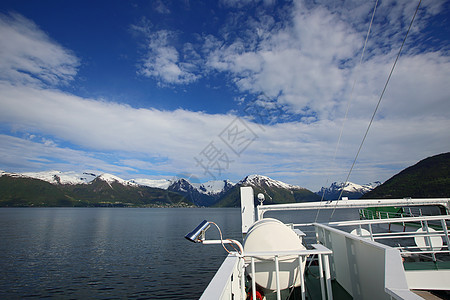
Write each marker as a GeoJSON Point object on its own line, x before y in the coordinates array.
{"type": "Point", "coordinates": [444, 227]}
{"type": "Point", "coordinates": [277, 276]}
{"type": "Point", "coordinates": [247, 208]}
{"type": "Point", "coordinates": [427, 241]}
{"type": "Point", "coordinates": [323, 259]}
{"type": "Point", "coordinates": [361, 232]}
{"type": "Point", "coordinates": [392, 220]}
{"type": "Point", "coordinates": [322, 282]}
{"type": "Point", "coordinates": [365, 269]}
{"type": "Point", "coordinates": [328, 278]}
{"type": "Point", "coordinates": [274, 236]}
{"type": "Point", "coordinates": [302, 276]}
{"type": "Point", "coordinates": [428, 279]}
{"type": "Point", "coordinates": [224, 283]}
{"type": "Point", "coordinates": [242, 276]}
{"type": "Point", "coordinates": [253, 281]}
{"type": "Point", "coordinates": [394, 277]}
{"type": "Point", "coordinates": [319, 250]}
{"type": "Point", "coordinates": [335, 204]}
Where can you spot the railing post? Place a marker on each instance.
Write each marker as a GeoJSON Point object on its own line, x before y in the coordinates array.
{"type": "Point", "coordinates": [444, 227]}
{"type": "Point", "coordinates": [253, 279]}
{"type": "Point", "coordinates": [328, 278]}
{"type": "Point", "coordinates": [371, 233]}
{"type": "Point", "coordinates": [322, 284]}
{"type": "Point", "coordinates": [243, 295]}
{"type": "Point", "coordinates": [428, 240]}
{"type": "Point", "coordinates": [277, 275]}
{"type": "Point", "coordinates": [302, 277]}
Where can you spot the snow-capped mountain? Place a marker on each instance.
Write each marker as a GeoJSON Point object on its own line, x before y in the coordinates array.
{"type": "Point", "coordinates": [180, 185]}
{"type": "Point", "coordinates": [57, 177]}
{"type": "Point", "coordinates": [275, 192]}
{"type": "Point", "coordinates": [201, 194]}
{"type": "Point", "coordinates": [155, 183]}
{"type": "Point", "coordinates": [214, 187]}
{"type": "Point", "coordinates": [208, 193]}
{"type": "Point", "coordinates": [71, 177]}
{"type": "Point", "coordinates": [351, 190]}
{"type": "Point", "coordinates": [259, 180]}
{"type": "Point", "coordinates": [109, 178]}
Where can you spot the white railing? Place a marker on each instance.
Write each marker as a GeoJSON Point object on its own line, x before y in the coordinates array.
{"type": "Point", "coordinates": [227, 283]}
{"type": "Point", "coordinates": [434, 231]}
{"type": "Point", "coordinates": [364, 268]}
{"type": "Point", "coordinates": [324, 268]}
{"type": "Point", "coordinates": [360, 203]}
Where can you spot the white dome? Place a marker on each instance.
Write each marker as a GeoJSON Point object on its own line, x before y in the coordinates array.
{"type": "Point", "coordinates": [272, 235]}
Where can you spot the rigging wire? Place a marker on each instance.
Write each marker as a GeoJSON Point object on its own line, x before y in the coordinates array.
{"type": "Point", "coordinates": [378, 104]}
{"type": "Point", "coordinates": [349, 100]}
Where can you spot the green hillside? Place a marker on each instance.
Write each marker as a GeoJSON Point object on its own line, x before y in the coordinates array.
{"type": "Point", "coordinates": [20, 191]}
{"type": "Point", "coordinates": [428, 178]}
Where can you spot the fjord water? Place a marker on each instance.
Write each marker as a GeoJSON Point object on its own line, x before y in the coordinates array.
{"type": "Point", "coordinates": [141, 253]}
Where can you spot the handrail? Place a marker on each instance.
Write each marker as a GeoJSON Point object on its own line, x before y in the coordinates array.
{"type": "Point", "coordinates": [391, 220]}
{"type": "Point", "coordinates": [360, 203]}
{"type": "Point", "coordinates": [390, 277]}
{"type": "Point", "coordinates": [427, 233]}
{"type": "Point", "coordinates": [321, 251]}
{"type": "Point", "coordinates": [222, 280]}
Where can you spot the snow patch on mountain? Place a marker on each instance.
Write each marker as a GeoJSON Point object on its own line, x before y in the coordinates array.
{"type": "Point", "coordinates": [154, 183]}
{"type": "Point", "coordinates": [109, 178]}
{"type": "Point", "coordinates": [351, 190]}
{"type": "Point", "coordinates": [259, 180]}
{"type": "Point", "coordinates": [213, 187]}
{"type": "Point", "coordinates": [364, 188]}
{"type": "Point", "coordinates": [58, 177]}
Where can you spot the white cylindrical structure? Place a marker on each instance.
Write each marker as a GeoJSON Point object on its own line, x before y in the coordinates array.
{"type": "Point", "coordinates": [272, 235]}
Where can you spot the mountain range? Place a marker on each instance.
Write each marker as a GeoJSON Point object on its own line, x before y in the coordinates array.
{"type": "Point", "coordinates": [103, 190]}
{"type": "Point", "coordinates": [55, 188]}
{"type": "Point", "coordinates": [428, 178]}
{"type": "Point", "coordinates": [350, 190]}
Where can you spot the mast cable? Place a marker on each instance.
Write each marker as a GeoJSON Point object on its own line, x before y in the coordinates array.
{"type": "Point", "coordinates": [349, 100]}
{"type": "Point", "coordinates": [378, 104]}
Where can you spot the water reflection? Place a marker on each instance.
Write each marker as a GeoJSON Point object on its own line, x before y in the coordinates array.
{"type": "Point", "coordinates": [113, 252]}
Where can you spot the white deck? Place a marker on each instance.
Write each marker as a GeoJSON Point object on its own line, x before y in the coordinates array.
{"type": "Point", "coordinates": [364, 267]}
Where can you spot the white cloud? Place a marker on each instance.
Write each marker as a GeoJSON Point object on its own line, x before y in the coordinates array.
{"type": "Point", "coordinates": [307, 61]}
{"type": "Point", "coordinates": [162, 61]}
{"type": "Point", "coordinates": [20, 155]}
{"type": "Point", "coordinates": [299, 63]}
{"type": "Point", "coordinates": [160, 7]}
{"type": "Point", "coordinates": [105, 126]}
{"type": "Point", "coordinates": [304, 64]}
{"type": "Point", "coordinates": [112, 135]}
{"type": "Point", "coordinates": [28, 55]}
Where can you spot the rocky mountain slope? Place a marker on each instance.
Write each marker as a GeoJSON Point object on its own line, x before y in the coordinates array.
{"type": "Point", "coordinates": [103, 190]}
{"type": "Point", "coordinates": [429, 177]}
{"type": "Point", "coordinates": [56, 188]}
{"type": "Point", "coordinates": [275, 192]}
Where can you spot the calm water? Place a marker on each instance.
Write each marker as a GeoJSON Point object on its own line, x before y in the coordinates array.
{"type": "Point", "coordinates": [110, 252]}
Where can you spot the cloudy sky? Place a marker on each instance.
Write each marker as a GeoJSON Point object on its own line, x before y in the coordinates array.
{"type": "Point", "coordinates": [222, 89]}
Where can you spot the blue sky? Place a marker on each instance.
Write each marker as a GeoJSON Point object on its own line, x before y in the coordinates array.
{"type": "Point", "coordinates": [222, 89]}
